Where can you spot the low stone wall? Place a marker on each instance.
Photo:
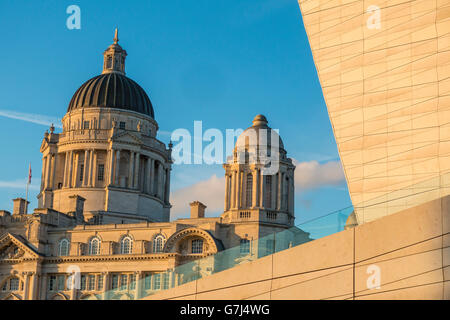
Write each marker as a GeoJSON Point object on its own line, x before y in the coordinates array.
{"type": "Point", "coordinates": [402, 256]}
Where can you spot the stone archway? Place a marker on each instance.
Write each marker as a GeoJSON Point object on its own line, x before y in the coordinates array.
{"type": "Point", "coordinates": [211, 245]}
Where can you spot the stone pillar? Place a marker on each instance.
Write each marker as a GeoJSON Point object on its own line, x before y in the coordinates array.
{"type": "Point", "coordinates": [75, 172]}
{"type": "Point", "coordinates": [167, 184]}
{"type": "Point", "coordinates": [233, 189]}
{"type": "Point", "coordinates": [255, 188]}
{"type": "Point", "coordinates": [94, 169]}
{"type": "Point", "coordinates": [105, 288]}
{"type": "Point", "coordinates": [262, 181]}
{"type": "Point", "coordinates": [66, 157]}
{"type": "Point", "coordinates": [69, 177]}
{"type": "Point", "coordinates": [111, 167]}
{"type": "Point", "coordinates": [52, 179]}
{"type": "Point", "coordinates": [237, 188]}
{"type": "Point", "coordinates": [91, 160]}
{"type": "Point", "coordinates": [138, 289]}
{"type": "Point", "coordinates": [43, 290]}
{"type": "Point", "coordinates": [148, 178]}
{"type": "Point", "coordinates": [279, 189]}
{"type": "Point", "coordinates": [26, 291]}
{"type": "Point", "coordinates": [34, 286]}
{"type": "Point", "coordinates": [152, 176]}
{"type": "Point", "coordinates": [116, 169]}
{"type": "Point", "coordinates": [85, 169]}
{"type": "Point", "coordinates": [48, 171]}
{"type": "Point", "coordinates": [44, 162]}
{"type": "Point", "coordinates": [227, 186]}
{"type": "Point", "coordinates": [136, 170]}
{"type": "Point", "coordinates": [130, 170]}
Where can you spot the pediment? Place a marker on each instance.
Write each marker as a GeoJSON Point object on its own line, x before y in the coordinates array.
{"type": "Point", "coordinates": [126, 137]}
{"type": "Point", "coordinates": [44, 145]}
{"type": "Point", "coordinates": [13, 249]}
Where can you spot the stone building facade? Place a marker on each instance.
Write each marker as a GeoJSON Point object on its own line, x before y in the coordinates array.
{"type": "Point", "coordinates": [103, 208]}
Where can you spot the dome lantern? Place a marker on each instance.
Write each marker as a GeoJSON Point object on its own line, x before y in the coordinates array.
{"type": "Point", "coordinates": [114, 57]}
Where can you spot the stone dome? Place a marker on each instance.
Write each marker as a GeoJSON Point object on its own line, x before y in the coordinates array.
{"type": "Point", "coordinates": [112, 90]}
{"type": "Point", "coordinates": [249, 140]}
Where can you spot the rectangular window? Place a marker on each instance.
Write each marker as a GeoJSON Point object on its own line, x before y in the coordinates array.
{"type": "Point", "coordinates": [5, 286]}
{"type": "Point", "coordinates": [51, 283]}
{"type": "Point", "coordinates": [132, 282]}
{"type": "Point", "coordinates": [148, 282]}
{"type": "Point", "coordinates": [81, 172]}
{"type": "Point", "coordinates": [115, 281]}
{"type": "Point", "coordinates": [101, 172]}
{"type": "Point", "coordinates": [99, 283]}
{"type": "Point", "coordinates": [122, 125]}
{"type": "Point", "coordinates": [197, 246]}
{"type": "Point", "coordinates": [83, 283]}
{"type": "Point", "coordinates": [245, 246]}
{"type": "Point", "coordinates": [157, 281]}
{"type": "Point", "coordinates": [165, 284]}
{"type": "Point", "coordinates": [91, 283]}
{"type": "Point", "coordinates": [14, 284]}
{"type": "Point", "coordinates": [123, 281]}
{"type": "Point", "coordinates": [86, 125]}
{"type": "Point", "coordinates": [61, 283]}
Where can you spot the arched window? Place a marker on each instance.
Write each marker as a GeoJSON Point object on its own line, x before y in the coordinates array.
{"type": "Point", "coordinates": [158, 243]}
{"type": "Point", "coordinates": [197, 246]}
{"type": "Point", "coordinates": [126, 245]}
{"type": "Point", "coordinates": [63, 247]}
{"type": "Point", "coordinates": [94, 246]}
{"type": "Point", "coordinates": [249, 190]}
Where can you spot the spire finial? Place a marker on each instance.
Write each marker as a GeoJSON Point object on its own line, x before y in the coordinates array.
{"type": "Point", "coordinates": [116, 36]}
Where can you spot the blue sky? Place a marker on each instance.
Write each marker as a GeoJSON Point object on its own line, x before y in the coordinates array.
{"type": "Point", "coordinates": [221, 62]}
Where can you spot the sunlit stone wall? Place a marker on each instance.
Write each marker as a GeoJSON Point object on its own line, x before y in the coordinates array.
{"type": "Point", "coordinates": [384, 67]}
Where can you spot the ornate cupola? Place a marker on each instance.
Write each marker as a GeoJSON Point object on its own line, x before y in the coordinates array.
{"type": "Point", "coordinates": [114, 57]}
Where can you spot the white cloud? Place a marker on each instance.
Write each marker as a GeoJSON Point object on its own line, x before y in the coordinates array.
{"type": "Point", "coordinates": [210, 192]}
{"type": "Point", "coordinates": [31, 117]}
{"type": "Point", "coordinates": [18, 184]}
{"type": "Point", "coordinates": [312, 174]}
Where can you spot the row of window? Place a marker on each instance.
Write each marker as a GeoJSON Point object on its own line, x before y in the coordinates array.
{"type": "Point", "coordinates": [126, 246]}
{"type": "Point", "coordinates": [86, 124]}
{"type": "Point", "coordinates": [12, 284]}
{"type": "Point", "coordinates": [95, 282]}
{"type": "Point", "coordinates": [100, 172]}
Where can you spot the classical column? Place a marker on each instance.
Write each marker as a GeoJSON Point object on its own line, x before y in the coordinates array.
{"type": "Point", "coordinates": [111, 167]}
{"type": "Point", "coordinates": [43, 290]}
{"type": "Point", "coordinates": [167, 184]}
{"type": "Point", "coordinates": [136, 170]}
{"type": "Point", "coordinates": [66, 161]}
{"type": "Point", "coordinates": [255, 179]}
{"type": "Point", "coordinates": [52, 180]}
{"type": "Point", "coordinates": [116, 174]}
{"type": "Point", "coordinates": [262, 181]}
{"type": "Point", "coordinates": [89, 170]}
{"type": "Point", "coordinates": [75, 171]}
{"type": "Point", "coordinates": [34, 286]}
{"type": "Point", "coordinates": [152, 176]}
{"type": "Point", "coordinates": [130, 170]}
{"type": "Point", "coordinates": [48, 171]}
{"type": "Point", "coordinates": [280, 190]}
{"type": "Point", "coordinates": [233, 189]}
{"type": "Point", "coordinates": [44, 159]}
{"type": "Point", "coordinates": [237, 188]}
{"type": "Point", "coordinates": [85, 169]}
{"type": "Point", "coordinates": [105, 285]}
{"type": "Point", "coordinates": [227, 185]}
{"type": "Point", "coordinates": [26, 291]}
{"type": "Point", "coordinates": [148, 178]}
{"type": "Point", "coordinates": [94, 169]}
{"type": "Point", "coordinates": [138, 289]}
{"type": "Point", "coordinates": [70, 163]}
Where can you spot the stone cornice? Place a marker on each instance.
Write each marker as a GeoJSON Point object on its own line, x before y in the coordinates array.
{"type": "Point", "coordinates": [105, 258]}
